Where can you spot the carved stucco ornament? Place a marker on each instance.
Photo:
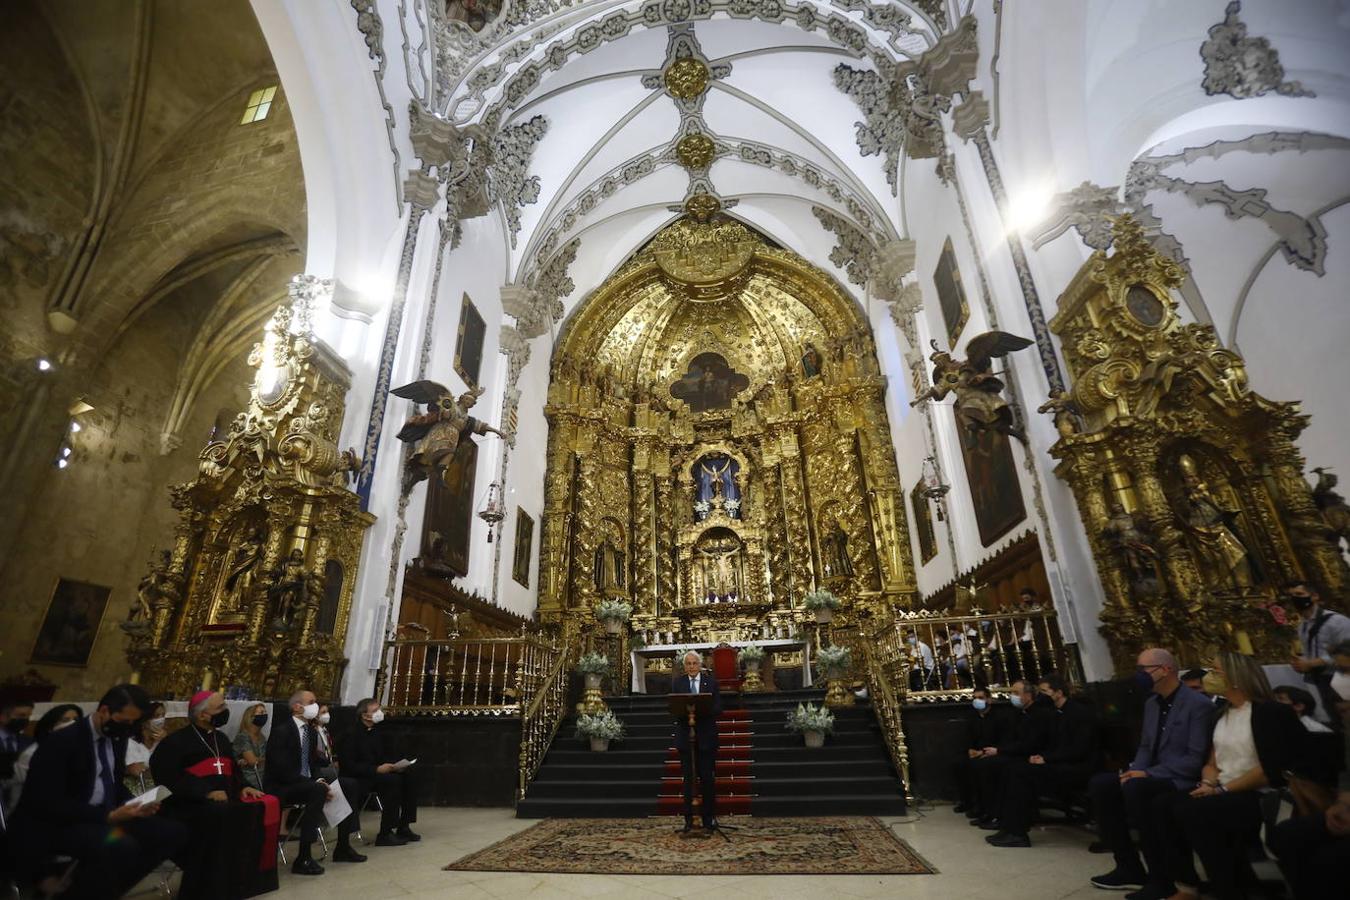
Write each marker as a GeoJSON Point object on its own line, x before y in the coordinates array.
{"type": "Point", "coordinates": [702, 206]}
{"type": "Point", "coordinates": [695, 151]}
{"type": "Point", "coordinates": [686, 78]}
{"type": "Point", "coordinates": [1243, 66]}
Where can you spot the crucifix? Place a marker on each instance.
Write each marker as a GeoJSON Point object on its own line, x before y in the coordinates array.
{"type": "Point", "coordinates": [220, 766]}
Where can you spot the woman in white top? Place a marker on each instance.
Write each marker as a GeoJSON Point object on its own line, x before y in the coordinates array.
{"type": "Point", "coordinates": [139, 748]}
{"type": "Point", "coordinates": [1256, 740]}
{"type": "Point", "coordinates": [54, 719]}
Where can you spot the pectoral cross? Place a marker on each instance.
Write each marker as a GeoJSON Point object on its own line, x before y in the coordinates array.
{"type": "Point", "coordinates": [220, 766]}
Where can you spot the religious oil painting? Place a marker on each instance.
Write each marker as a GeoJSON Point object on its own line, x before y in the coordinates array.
{"type": "Point", "coordinates": [994, 489]}
{"type": "Point", "coordinates": [449, 518]}
{"type": "Point", "coordinates": [469, 343]}
{"type": "Point", "coordinates": [709, 384]}
{"type": "Point", "coordinates": [71, 624]}
{"type": "Point", "coordinates": [520, 563]}
{"type": "Point", "coordinates": [923, 523]}
{"type": "Point", "coordinates": [951, 294]}
{"type": "Point", "coordinates": [475, 14]}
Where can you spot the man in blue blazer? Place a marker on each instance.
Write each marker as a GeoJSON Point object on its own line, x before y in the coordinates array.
{"type": "Point", "coordinates": [74, 804]}
{"type": "Point", "coordinates": [697, 681]}
{"type": "Point", "coordinates": [1173, 747]}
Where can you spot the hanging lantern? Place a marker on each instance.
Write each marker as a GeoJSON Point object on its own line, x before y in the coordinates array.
{"type": "Point", "coordinates": [493, 512]}
{"type": "Point", "coordinates": [933, 488]}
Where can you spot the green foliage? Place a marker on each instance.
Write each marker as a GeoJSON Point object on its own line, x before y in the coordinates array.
{"type": "Point", "coordinates": [752, 653]}
{"type": "Point", "coordinates": [614, 611]}
{"type": "Point", "coordinates": [820, 600]}
{"type": "Point", "coordinates": [834, 658]}
{"type": "Point", "coordinates": [593, 664]}
{"type": "Point", "coordinates": [606, 725]}
{"type": "Point", "coordinates": [809, 717]}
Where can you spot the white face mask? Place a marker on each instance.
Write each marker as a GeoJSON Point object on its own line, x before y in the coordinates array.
{"type": "Point", "coordinates": [377, 716]}
{"type": "Point", "coordinates": [323, 719]}
{"type": "Point", "coordinates": [1340, 683]}
{"type": "Point", "coordinates": [979, 703]}
{"type": "Point", "coordinates": [157, 724]}
{"type": "Point", "coordinates": [311, 711]}
{"type": "Point", "coordinates": [59, 725]}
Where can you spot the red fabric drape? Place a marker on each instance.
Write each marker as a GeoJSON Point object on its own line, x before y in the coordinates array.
{"type": "Point", "coordinates": [271, 827]}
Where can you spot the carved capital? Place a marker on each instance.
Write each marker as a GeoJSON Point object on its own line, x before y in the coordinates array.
{"type": "Point", "coordinates": [435, 139]}
{"type": "Point", "coordinates": [893, 261]}
{"type": "Point", "coordinates": [421, 189]}
{"type": "Point", "coordinates": [970, 116]}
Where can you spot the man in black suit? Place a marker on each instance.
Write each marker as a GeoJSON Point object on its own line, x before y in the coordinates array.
{"type": "Point", "coordinates": [367, 758]}
{"type": "Point", "coordinates": [292, 775]}
{"type": "Point", "coordinates": [1027, 733]}
{"type": "Point", "coordinates": [697, 681]}
{"type": "Point", "coordinates": [14, 718]}
{"type": "Point", "coordinates": [986, 726]}
{"type": "Point", "coordinates": [74, 804]}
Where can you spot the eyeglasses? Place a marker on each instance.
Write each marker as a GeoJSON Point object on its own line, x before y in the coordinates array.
{"type": "Point", "coordinates": [1147, 668]}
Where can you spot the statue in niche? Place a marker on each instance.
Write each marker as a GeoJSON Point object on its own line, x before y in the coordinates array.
{"type": "Point", "coordinates": [609, 577]}
{"type": "Point", "coordinates": [242, 572]}
{"type": "Point", "coordinates": [1223, 560]}
{"type": "Point", "coordinates": [719, 563]}
{"type": "Point", "coordinates": [289, 585]}
{"type": "Point", "coordinates": [1331, 505]}
{"type": "Point", "coordinates": [716, 487]}
{"type": "Point", "coordinates": [436, 433]}
{"type": "Point", "coordinates": [834, 548]}
{"type": "Point", "coordinates": [1131, 544]}
{"type": "Point", "coordinates": [1066, 416]}
{"type": "Point", "coordinates": [156, 583]}
{"type": "Point", "coordinates": [811, 361]}
{"type": "Point", "coordinates": [980, 407]}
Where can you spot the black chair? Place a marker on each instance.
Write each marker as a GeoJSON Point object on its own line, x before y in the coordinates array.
{"type": "Point", "coordinates": [296, 811]}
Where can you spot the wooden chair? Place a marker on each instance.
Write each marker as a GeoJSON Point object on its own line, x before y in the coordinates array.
{"type": "Point", "coordinates": [725, 667]}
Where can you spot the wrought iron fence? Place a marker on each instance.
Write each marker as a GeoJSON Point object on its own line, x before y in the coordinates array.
{"type": "Point", "coordinates": [465, 677]}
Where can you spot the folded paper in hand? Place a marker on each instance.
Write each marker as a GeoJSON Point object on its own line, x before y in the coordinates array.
{"type": "Point", "coordinates": [403, 764]}
{"type": "Point", "coordinates": [157, 794]}
{"type": "Point", "coordinates": [337, 808]}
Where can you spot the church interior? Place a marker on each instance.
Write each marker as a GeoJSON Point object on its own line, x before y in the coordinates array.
{"type": "Point", "coordinates": [947, 386]}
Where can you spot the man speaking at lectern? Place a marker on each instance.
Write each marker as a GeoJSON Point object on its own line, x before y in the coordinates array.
{"type": "Point", "coordinates": [696, 681]}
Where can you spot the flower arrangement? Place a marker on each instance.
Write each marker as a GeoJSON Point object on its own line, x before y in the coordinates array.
{"type": "Point", "coordinates": [606, 726]}
{"type": "Point", "coordinates": [593, 664]}
{"type": "Point", "coordinates": [820, 600]}
{"type": "Point", "coordinates": [809, 717]}
{"type": "Point", "coordinates": [614, 611]}
{"type": "Point", "coordinates": [751, 654]}
{"type": "Point", "coordinates": [834, 659]}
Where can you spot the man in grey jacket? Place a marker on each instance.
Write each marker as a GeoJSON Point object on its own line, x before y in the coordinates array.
{"type": "Point", "coordinates": [1173, 746]}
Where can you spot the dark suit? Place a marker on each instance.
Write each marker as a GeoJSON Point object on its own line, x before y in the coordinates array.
{"type": "Point", "coordinates": [284, 777]}
{"type": "Point", "coordinates": [363, 752]}
{"type": "Point", "coordinates": [1027, 734]}
{"type": "Point", "coordinates": [1182, 746]}
{"type": "Point", "coordinates": [11, 745]}
{"type": "Point", "coordinates": [982, 731]}
{"type": "Point", "coordinates": [55, 817]}
{"type": "Point", "coordinates": [1070, 756]}
{"type": "Point", "coordinates": [705, 737]}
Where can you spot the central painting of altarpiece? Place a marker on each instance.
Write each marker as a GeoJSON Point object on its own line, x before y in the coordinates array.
{"type": "Point", "coordinates": [718, 444]}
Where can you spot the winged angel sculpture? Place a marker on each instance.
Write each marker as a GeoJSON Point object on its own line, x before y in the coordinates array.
{"type": "Point", "coordinates": [436, 434]}
{"type": "Point", "coordinates": [980, 406]}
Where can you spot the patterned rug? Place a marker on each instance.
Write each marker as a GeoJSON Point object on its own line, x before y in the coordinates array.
{"type": "Point", "coordinates": [852, 845]}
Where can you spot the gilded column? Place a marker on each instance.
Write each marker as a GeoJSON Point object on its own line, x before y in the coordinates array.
{"type": "Point", "coordinates": [556, 525]}
{"type": "Point", "coordinates": [776, 520]}
{"type": "Point", "coordinates": [644, 531]}
{"type": "Point", "coordinates": [1320, 557]}
{"type": "Point", "coordinates": [800, 558]}
{"type": "Point", "coordinates": [667, 591]}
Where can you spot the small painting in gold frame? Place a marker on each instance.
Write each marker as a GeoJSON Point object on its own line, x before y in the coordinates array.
{"type": "Point", "coordinates": [71, 624]}
{"type": "Point", "coordinates": [951, 294]}
{"type": "Point", "coordinates": [469, 343]}
{"type": "Point", "coordinates": [520, 563]}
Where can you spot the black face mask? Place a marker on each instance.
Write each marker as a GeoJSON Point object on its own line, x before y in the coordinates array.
{"type": "Point", "coordinates": [220, 718]}
{"type": "Point", "coordinates": [118, 730]}
{"type": "Point", "coordinates": [1301, 602]}
{"type": "Point", "coordinates": [260, 721]}
{"type": "Point", "coordinates": [16, 725]}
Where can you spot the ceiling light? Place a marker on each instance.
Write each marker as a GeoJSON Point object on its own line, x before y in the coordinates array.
{"type": "Point", "coordinates": [65, 452]}
{"type": "Point", "coordinates": [74, 427]}
{"type": "Point", "coordinates": [44, 364]}
{"type": "Point", "coordinates": [1029, 206]}
{"type": "Point", "coordinates": [62, 463]}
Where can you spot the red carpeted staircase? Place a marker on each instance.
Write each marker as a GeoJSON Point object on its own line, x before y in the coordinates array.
{"type": "Point", "coordinates": [763, 769]}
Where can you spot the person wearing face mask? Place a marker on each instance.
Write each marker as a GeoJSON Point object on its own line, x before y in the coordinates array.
{"type": "Point", "coordinates": [74, 804]}
{"type": "Point", "coordinates": [1255, 741]}
{"type": "Point", "coordinates": [1319, 631]}
{"type": "Point", "coordinates": [250, 745]}
{"type": "Point", "coordinates": [228, 819]}
{"type": "Point", "coordinates": [923, 665]}
{"type": "Point", "coordinates": [294, 764]}
{"type": "Point", "coordinates": [986, 726]}
{"type": "Point", "coordinates": [54, 719]}
{"type": "Point", "coordinates": [142, 744]}
{"type": "Point", "coordinates": [14, 719]}
{"type": "Point", "coordinates": [1028, 734]}
{"type": "Point", "coordinates": [1173, 745]}
{"type": "Point", "coordinates": [326, 746]}
{"type": "Point", "coordinates": [370, 760]}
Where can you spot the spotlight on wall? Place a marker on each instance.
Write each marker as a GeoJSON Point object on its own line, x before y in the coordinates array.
{"type": "Point", "coordinates": [1029, 206]}
{"type": "Point", "coordinates": [62, 463]}
{"type": "Point", "coordinates": [74, 427]}
{"type": "Point", "coordinates": [44, 364]}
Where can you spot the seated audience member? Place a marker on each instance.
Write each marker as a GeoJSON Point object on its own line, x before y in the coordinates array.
{"type": "Point", "coordinates": [74, 804]}
{"type": "Point", "coordinates": [1255, 741]}
{"type": "Point", "coordinates": [140, 746]}
{"type": "Point", "coordinates": [250, 747]}
{"type": "Point", "coordinates": [54, 719]}
{"type": "Point", "coordinates": [1173, 746]}
{"type": "Point", "coordinates": [1027, 601]}
{"type": "Point", "coordinates": [232, 852]}
{"type": "Point", "coordinates": [1069, 759]}
{"type": "Point", "coordinates": [292, 775]}
{"type": "Point", "coordinates": [923, 665]}
{"type": "Point", "coordinates": [370, 759]}
{"type": "Point", "coordinates": [14, 719]}
{"type": "Point", "coordinates": [1314, 850]}
{"type": "Point", "coordinates": [1028, 734]}
{"type": "Point", "coordinates": [1304, 704]}
{"type": "Point", "coordinates": [986, 726]}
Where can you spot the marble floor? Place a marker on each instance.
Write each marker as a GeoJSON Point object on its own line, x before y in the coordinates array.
{"type": "Point", "coordinates": [1058, 866]}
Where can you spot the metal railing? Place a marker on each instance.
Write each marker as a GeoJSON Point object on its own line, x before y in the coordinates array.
{"type": "Point", "coordinates": [544, 713]}
{"type": "Point", "coordinates": [886, 705]}
{"type": "Point", "coordinates": [465, 677]}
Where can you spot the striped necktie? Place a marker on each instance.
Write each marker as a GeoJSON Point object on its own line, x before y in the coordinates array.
{"type": "Point", "coordinates": [304, 750]}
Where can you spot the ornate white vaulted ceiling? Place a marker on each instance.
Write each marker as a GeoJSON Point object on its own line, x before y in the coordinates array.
{"type": "Point", "coordinates": [606, 166]}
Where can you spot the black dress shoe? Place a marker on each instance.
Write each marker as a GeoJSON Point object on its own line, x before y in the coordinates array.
{"type": "Point", "coordinates": [959, 808]}
{"type": "Point", "coordinates": [1008, 839]}
{"type": "Point", "coordinates": [408, 834]}
{"type": "Point", "coordinates": [988, 823]}
{"type": "Point", "coordinates": [1119, 879]}
{"type": "Point", "coordinates": [1098, 847]}
{"type": "Point", "coordinates": [306, 867]}
{"type": "Point", "coordinates": [389, 839]}
{"type": "Point", "coordinates": [686, 831]}
{"type": "Point", "coordinates": [347, 854]}
{"type": "Point", "coordinates": [1149, 892]}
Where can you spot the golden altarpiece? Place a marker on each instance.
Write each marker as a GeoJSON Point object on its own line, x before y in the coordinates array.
{"type": "Point", "coordinates": [718, 445]}
{"type": "Point", "coordinates": [257, 589]}
{"type": "Point", "coordinates": [1188, 482]}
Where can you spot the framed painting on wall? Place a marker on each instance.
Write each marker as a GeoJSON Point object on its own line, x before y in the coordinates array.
{"type": "Point", "coordinates": [520, 563]}
{"type": "Point", "coordinates": [951, 294]}
{"type": "Point", "coordinates": [994, 489]}
{"type": "Point", "coordinates": [469, 343]}
{"type": "Point", "coordinates": [449, 517]}
{"type": "Point", "coordinates": [71, 624]}
{"type": "Point", "coordinates": [923, 523]}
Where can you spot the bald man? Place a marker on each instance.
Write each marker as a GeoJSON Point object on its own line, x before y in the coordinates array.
{"type": "Point", "coordinates": [1173, 747]}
